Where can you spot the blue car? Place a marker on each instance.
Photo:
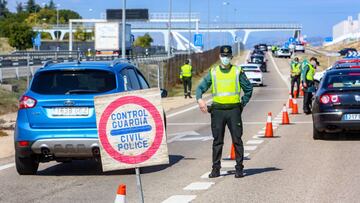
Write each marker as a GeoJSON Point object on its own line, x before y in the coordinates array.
{"type": "Point", "coordinates": [56, 116]}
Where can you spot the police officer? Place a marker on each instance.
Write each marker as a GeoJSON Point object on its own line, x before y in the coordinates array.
{"type": "Point", "coordinates": [226, 81]}
{"type": "Point", "coordinates": [307, 80]}
{"type": "Point", "coordinates": [295, 76]}
{"type": "Point", "coordinates": [185, 76]}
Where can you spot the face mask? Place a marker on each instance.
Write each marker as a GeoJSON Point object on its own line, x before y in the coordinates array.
{"type": "Point", "coordinates": [225, 60]}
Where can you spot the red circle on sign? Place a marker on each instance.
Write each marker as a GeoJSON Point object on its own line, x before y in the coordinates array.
{"type": "Point", "coordinates": [158, 132]}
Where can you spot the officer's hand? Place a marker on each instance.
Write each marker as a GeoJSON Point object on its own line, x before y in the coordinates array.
{"type": "Point", "coordinates": [305, 85]}
{"type": "Point", "coordinates": [202, 105]}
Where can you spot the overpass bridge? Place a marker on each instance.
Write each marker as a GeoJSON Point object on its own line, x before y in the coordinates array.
{"type": "Point", "coordinates": [180, 24]}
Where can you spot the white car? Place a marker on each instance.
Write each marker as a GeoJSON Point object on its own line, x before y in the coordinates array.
{"type": "Point", "coordinates": [299, 48]}
{"type": "Point", "coordinates": [253, 73]}
{"type": "Point", "coordinates": [283, 53]}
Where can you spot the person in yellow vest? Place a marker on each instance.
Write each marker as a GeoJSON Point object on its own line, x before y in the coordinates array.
{"type": "Point", "coordinates": [185, 76]}
{"type": "Point", "coordinates": [307, 80]}
{"type": "Point", "coordinates": [295, 73]}
{"type": "Point", "coordinates": [226, 81]}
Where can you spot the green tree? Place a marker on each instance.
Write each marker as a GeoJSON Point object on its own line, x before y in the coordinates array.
{"type": "Point", "coordinates": [3, 8]}
{"type": "Point", "coordinates": [32, 7]}
{"type": "Point", "coordinates": [21, 36]}
{"type": "Point", "coordinates": [68, 14]}
{"type": "Point", "coordinates": [51, 5]}
{"type": "Point", "coordinates": [19, 7]}
{"type": "Point", "coordinates": [80, 34]}
{"type": "Point", "coordinates": [143, 41]}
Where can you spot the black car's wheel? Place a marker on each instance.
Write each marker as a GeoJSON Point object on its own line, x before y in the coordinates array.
{"type": "Point", "coordinates": [316, 134]}
{"type": "Point", "coordinates": [26, 166]}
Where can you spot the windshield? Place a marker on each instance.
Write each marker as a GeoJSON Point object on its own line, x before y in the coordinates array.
{"type": "Point", "coordinates": [349, 80]}
{"type": "Point", "coordinates": [73, 82]}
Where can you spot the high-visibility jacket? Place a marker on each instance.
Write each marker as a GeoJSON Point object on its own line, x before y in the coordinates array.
{"type": "Point", "coordinates": [310, 73]}
{"type": "Point", "coordinates": [295, 69]}
{"type": "Point", "coordinates": [186, 71]}
{"type": "Point", "coordinates": [226, 86]}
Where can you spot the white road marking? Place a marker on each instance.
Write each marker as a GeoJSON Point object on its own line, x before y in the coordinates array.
{"type": "Point", "coordinates": [180, 199]}
{"type": "Point", "coordinates": [254, 141]}
{"type": "Point", "coordinates": [185, 110]}
{"type": "Point", "coordinates": [278, 71]}
{"type": "Point", "coordinates": [6, 166]}
{"type": "Point", "coordinates": [250, 148]}
{"type": "Point", "coordinates": [199, 186]}
{"type": "Point", "coordinates": [228, 164]}
{"type": "Point", "coordinates": [258, 136]}
{"type": "Point", "coordinates": [180, 135]}
{"type": "Point", "coordinates": [268, 100]}
{"type": "Point", "coordinates": [204, 138]}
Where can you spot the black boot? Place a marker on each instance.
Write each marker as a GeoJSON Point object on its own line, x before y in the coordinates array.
{"type": "Point", "coordinates": [185, 96]}
{"type": "Point", "coordinates": [214, 173]}
{"type": "Point", "coordinates": [239, 173]}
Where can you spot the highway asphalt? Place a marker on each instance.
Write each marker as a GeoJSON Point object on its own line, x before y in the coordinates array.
{"type": "Point", "coordinates": [291, 167]}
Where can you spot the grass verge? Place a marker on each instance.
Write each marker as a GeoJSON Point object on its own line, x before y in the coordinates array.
{"type": "Point", "coordinates": [8, 99]}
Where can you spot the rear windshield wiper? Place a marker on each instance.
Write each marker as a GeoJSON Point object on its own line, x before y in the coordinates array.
{"type": "Point", "coordinates": [81, 91]}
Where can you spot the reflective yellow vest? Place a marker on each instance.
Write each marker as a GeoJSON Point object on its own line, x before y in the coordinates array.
{"type": "Point", "coordinates": [186, 71]}
{"type": "Point", "coordinates": [295, 69]}
{"type": "Point", "coordinates": [226, 86]}
{"type": "Point", "coordinates": [311, 72]}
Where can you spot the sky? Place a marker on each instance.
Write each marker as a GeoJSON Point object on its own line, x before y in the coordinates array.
{"type": "Point", "coordinates": [316, 16]}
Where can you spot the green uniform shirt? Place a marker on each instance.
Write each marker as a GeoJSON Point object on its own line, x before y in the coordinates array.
{"type": "Point", "coordinates": [246, 86]}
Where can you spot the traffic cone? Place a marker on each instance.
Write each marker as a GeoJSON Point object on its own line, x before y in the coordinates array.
{"type": "Point", "coordinates": [269, 127]}
{"type": "Point", "coordinates": [285, 116]}
{"type": "Point", "coordinates": [232, 152]}
{"type": "Point", "coordinates": [295, 109]}
{"type": "Point", "coordinates": [290, 102]}
{"type": "Point", "coordinates": [121, 194]}
{"type": "Point", "coordinates": [295, 93]}
{"type": "Point", "coordinates": [301, 90]}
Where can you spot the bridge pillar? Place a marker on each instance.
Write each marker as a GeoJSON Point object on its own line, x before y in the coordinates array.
{"type": "Point", "coordinates": [63, 33]}
{"type": "Point", "coordinates": [52, 33]}
{"type": "Point", "coordinates": [166, 40]}
{"type": "Point", "coordinates": [233, 34]}
{"type": "Point", "coordinates": [246, 36]}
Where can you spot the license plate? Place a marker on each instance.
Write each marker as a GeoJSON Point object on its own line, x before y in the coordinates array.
{"type": "Point", "coordinates": [351, 117]}
{"type": "Point", "coordinates": [70, 111]}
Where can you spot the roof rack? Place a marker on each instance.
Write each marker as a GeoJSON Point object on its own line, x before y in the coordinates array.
{"type": "Point", "coordinates": [47, 63]}
{"type": "Point", "coordinates": [120, 60]}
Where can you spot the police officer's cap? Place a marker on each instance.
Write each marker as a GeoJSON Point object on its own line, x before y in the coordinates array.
{"type": "Point", "coordinates": [226, 50]}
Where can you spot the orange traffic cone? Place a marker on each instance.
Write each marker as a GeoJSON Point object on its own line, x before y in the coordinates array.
{"type": "Point", "coordinates": [285, 116]}
{"type": "Point", "coordinates": [290, 102]}
{"type": "Point", "coordinates": [269, 127]}
{"type": "Point", "coordinates": [295, 93]}
{"type": "Point", "coordinates": [121, 194]}
{"type": "Point", "coordinates": [301, 90]}
{"type": "Point", "coordinates": [295, 109]}
{"type": "Point", "coordinates": [232, 152]}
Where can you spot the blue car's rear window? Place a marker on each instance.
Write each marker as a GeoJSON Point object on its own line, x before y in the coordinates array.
{"type": "Point", "coordinates": [73, 82]}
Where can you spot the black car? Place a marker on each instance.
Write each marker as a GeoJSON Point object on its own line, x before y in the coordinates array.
{"type": "Point", "coordinates": [345, 51]}
{"type": "Point", "coordinates": [336, 107]}
{"type": "Point", "coordinates": [259, 59]}
{"type": "Point", "coordinates": [263, 47]}
{"type": "Point", "coordinates": [257, 52]}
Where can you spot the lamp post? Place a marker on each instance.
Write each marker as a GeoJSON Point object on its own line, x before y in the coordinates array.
{"type": "Point", "coordinates": [169, 29]}
{"type": "Point", "coordinates": [57, 20]}
{"type": "Point", "coordinates": [189, 50]}
{"type": "Point", "coordinates": [225, 3]}
{"type": "Point", "coordinates": [123, 54]}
